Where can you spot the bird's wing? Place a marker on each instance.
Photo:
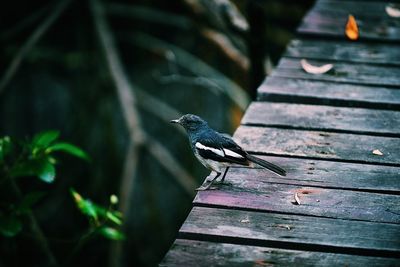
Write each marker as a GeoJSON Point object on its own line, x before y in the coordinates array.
{"type": "Point", "coordinates": [220, 148]}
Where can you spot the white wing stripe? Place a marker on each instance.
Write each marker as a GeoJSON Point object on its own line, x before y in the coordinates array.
{"type": "Point", "coordinates": [214, 150]}
{"type": "Point", "coordinates": [232, 154]}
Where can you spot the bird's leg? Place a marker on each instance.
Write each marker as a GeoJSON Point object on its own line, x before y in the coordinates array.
{"type": "Point", "coordinates": [223, 176]}
{"type": "Point", "coordinates": [210, 184]}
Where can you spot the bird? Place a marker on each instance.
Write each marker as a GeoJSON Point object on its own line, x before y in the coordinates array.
{"type": "Point", "coordinates": [217, 151]}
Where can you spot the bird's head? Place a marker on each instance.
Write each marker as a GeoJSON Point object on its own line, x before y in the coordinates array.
{"type": "Point", "coordinates": [190, 122]}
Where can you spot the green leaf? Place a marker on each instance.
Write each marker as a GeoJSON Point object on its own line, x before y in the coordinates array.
{"type": "Point", "coordinates": [45, 171]}
{"type": "Point", "coordinates": [69, 148]}
{"type": "Point", "coordinates": [114, 217]}
{"type": "Point", "coordinates": [41, 168]}
{"type": "Point", "coordinates": [44, 139]}
{"type": "Point", "coordinates": [85, 206]}
{"type": "Point", "coordinates": [28, 201]}
{"type": "Point", "coordinates": [104, 213]}
{"type": "Point", "coordinates": [10, 226]}
{"type": "Point", "coordinates": [111, 233]}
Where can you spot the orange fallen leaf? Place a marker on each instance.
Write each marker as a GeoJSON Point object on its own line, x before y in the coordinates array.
{"type": "Point", "coordinates": [307, 67]}
{"type": "Point", "coordinates": [377, 152]}
{"type": "Point", "coordinates": [352, 28]}
{"type": "Point", "coordinates": [392, 11]}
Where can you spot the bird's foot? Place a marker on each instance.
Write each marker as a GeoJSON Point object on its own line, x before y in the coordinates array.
{"type": "Point", "coordinates": [207, 186]}
{"type": "Point", "coordinates": [204, 188]}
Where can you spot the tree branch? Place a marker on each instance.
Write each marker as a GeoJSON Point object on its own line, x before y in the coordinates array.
{"type": "Point", "coordinates": [32, 40]}
{"type": "Point", "coordinates": [127, 98]}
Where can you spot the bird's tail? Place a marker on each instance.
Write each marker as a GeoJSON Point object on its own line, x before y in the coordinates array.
{"type": "Point", "coordinates": [268, 165]}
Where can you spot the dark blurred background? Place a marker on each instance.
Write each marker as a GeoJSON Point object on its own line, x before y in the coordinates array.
{"type": "Point", "coordinates": [75, 66]}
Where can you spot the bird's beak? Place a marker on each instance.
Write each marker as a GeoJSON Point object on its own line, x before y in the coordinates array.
{"type": "Point", "coordinates": [175, 121]}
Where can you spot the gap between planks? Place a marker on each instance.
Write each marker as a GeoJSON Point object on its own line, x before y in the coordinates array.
{"type": "Point", "coordinates": [319, 145]}
{"type": "Point", "coordinates": [304, 232]}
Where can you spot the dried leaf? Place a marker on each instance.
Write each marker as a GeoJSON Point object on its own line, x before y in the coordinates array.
{"type": "Point", "coordinates": [297, 199]}
{"type": "Point", "coordinates": [286, 226]}
{"type": "Point", "coordinates": [307, 67]}
{"type": "Point", "coordinates": [393, 11]}
{"type": "Point", "coordinates": [351, 28]}
{"type": "Point", "coordinates": [377, 152]}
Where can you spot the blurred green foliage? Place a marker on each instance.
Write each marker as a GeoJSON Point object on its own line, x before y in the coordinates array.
{"type": "Point", "coordinates": [35, 157]}
{"type": "Point", "coordinates": [102, 220]}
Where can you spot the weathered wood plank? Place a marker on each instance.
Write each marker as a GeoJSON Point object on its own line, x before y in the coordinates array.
{"type": "Point", "coordinates": [328, 18]}
{"type": "Point", "coordinates": [189, 252]}
{"type": "Point", "coordinates": [341, 50]}
{"type": "Point", "coordinates": [313, 117]}
{"type": "Point", "coordinates": [375, 9]}
{"type": "Point", "coordinates": [325, 174]}
{"type": "Point", "coordinates": [292, 231]}
{"type": "Point", "coordinates": [343, 72]}
{"type": "Point", "coordinates": [328, 93]}
{"type": "Point", "coordinates": [251, 192]}
{"type": "Point", "coordinates": [317, 144]}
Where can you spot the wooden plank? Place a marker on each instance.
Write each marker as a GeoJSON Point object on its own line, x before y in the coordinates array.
{"type": "Point", "coordinates": [189, 252]}
{"type": "Point", "coordinates": [317, 144]}
{"type": "Point", "coordinates": [341, 50]}
{"type": "Point", "coordinates": [325, 174]}
{"type": "Point", "coordinates": [328, 18]}
{"type": "Point", "coordinates": [365, 10]}
{"type": "Point", "coordinates": [255, 193]}
{"type": "Point", "coordinates": [328, 93]}
{"type": "Point", "coordinates": [343, 72]}
{"type": "Point", "coordinates": [325, 118]}
{"type": "Point", "coordinates": [292, 232]}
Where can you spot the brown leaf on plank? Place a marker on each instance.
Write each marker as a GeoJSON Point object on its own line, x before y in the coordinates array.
{"type": "Point", "coordinates": [351, 28]}
{"type": "Point", "coordinates": [307, 67]}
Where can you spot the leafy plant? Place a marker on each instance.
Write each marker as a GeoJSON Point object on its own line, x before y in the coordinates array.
{"type": "Point", "coordinates": [36, 157]}
{"type": "Point", "coordinates": [103, 221]}
{"type": "Point", "coordinates": [33, 157]}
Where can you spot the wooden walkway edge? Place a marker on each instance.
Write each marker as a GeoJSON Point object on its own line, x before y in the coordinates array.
{"type": "Point", "coordinates": [338, 136]}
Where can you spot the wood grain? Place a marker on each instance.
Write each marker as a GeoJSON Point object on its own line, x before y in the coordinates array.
{"type": "Point", "coordinates": [341, 50]}
{"type": "Point", "coordinates": [328, 18]}
{"type": "Point", "coordinates": [188, 252]}
{"type": "Point", "coordinates": [347, 72]}
{"type": "Point", "coordinates": [292, 231]}
{"type": "Point", "coordinates": [286, 89]}
{"type": "Point", "coordinates": [320, 145]}
{"type": "Point", "coordinates": [326, 118]}
{"type": "Point", "coordinates": [254, 192]}
{"type": "Point", "coordinates": [325, 174]}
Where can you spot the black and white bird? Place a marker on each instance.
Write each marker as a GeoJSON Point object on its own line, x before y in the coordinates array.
{"type": "Point", "coordinates": [217, 151]}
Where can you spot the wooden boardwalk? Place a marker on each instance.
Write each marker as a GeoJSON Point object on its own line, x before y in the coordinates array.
{"type": "Point", "coordinates": [323, 130]}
